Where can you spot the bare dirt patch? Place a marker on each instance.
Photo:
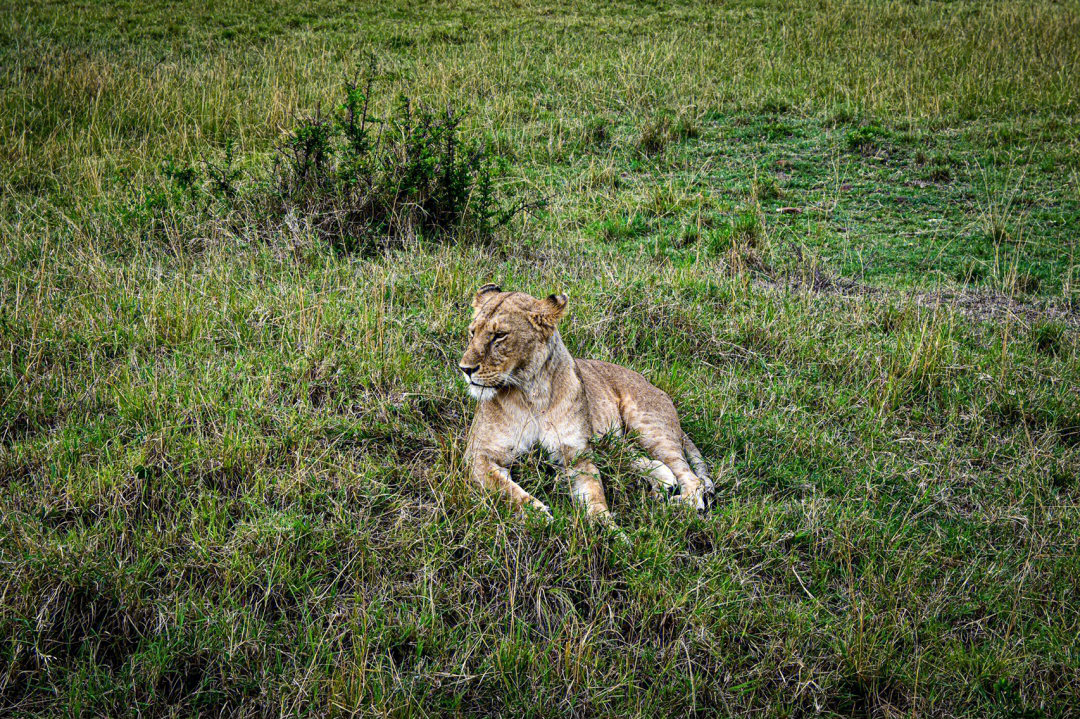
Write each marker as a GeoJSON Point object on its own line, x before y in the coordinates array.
{"type": "Point", "coordinates": [981, 305]}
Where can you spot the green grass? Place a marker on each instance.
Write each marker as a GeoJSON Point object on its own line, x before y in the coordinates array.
{"type": "Point", "coordinates": [842, 236]}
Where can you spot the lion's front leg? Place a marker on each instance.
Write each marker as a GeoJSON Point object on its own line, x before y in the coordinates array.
{"type": "Point", "coordinates": [586, 488]}
{"type": "Point", "coordinates": [488, 472]}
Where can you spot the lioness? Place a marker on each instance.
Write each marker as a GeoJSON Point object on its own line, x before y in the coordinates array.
{"type": "Point", "coordinates": [532, 391]}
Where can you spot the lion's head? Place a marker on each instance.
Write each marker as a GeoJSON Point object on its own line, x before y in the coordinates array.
{"type": "Point", "coordinates": [508, 339]}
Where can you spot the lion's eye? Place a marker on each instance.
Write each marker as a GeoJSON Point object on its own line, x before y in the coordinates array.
{"type": "Point", "coordinates": [498, 336]}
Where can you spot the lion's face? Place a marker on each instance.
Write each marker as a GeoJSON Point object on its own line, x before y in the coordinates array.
{"type": "Point", "coordinates": [508, 339]}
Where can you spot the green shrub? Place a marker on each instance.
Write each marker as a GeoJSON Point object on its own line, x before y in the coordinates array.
{"type": "Point", "coordinates": [361, 181]}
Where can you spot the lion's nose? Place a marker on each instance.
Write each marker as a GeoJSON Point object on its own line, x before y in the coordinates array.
{"type": "Point", "coordinates": [468, 370]}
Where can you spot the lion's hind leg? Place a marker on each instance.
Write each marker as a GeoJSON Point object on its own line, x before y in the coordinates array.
{"type": "Point", "coordinates": [693, 456]}
{"type": "Point", "coordinates": [668, 452]}
{"type": "Point", "coordinates": [651, 417]}
{"type": "Point", "coordinates": [660, 477]}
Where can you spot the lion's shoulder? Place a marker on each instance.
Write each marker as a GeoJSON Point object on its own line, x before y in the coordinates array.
{"type": "Point", "coordinates": [611, 375]}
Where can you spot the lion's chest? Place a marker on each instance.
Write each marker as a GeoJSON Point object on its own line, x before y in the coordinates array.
{"type": "Point", "coordinates": [559, 437]}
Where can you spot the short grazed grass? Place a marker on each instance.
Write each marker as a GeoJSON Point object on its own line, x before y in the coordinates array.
{"type": "Point", "coordinates": [843, 237]}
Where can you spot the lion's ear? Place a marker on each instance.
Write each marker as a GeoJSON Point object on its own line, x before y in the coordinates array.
{"type": "Point", "coordinates": [549, 311]}
{"type": "Point", "coordinates": [481, 295]}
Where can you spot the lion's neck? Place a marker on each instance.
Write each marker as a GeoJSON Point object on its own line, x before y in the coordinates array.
{"type": "Point", "coordinates": [553, 379]}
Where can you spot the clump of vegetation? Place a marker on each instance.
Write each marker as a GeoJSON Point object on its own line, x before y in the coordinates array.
{"type": "Point", "coordinates": [361, 181]}
{"type": "Point", "coordinates": [865, 138]}
{"type": "Point", "coordinates": [596, 132]}
{"type": "Point", "coordinates": [1028, 283]}
{"type": "Point", "coordinates": [662, 130]}
{"type": "Point", "coordinates": [1048, 337]}
{"type": "Point", "coordinates": [775, 106]}
{"type": "Point", "coordinates": [621, 227]}
{"type": "Point", "coordinates": [998, 230]}
{"type": "Point", "coordinates": [746, 229]}
{"type": "Point", "coordinates": [740, 243]}
{"type": "Point", "coordinates": [939, 173]}
{"type": "Point", "coordinates": [764, 188]}
{"type": "Point", "coordinates": [937, 168]}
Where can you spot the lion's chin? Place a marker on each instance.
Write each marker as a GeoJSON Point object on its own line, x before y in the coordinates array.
{"type": "Point", "coordinates": [482, 393]}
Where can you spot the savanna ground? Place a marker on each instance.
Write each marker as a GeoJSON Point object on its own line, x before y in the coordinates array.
{"type": "Point", "coordinates": [842, 235]}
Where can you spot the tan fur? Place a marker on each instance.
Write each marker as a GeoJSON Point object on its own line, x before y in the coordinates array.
{"type": "Point", "coordinates": [532, 392]}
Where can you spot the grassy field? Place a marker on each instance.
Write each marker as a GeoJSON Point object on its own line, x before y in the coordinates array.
{"type": "Point", "coordinates": [842, 235]}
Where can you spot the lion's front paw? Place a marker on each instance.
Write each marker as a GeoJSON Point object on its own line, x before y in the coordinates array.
{"type": "Point", "coordinates": [694, 499]}
{"type": "Point", "coordinates": [542, 509]}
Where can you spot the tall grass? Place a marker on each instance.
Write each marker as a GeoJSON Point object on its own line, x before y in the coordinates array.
{"type": "Point", "coordinates": [86, 99]}
{"type": "Point", "coordinates": [231, 455]}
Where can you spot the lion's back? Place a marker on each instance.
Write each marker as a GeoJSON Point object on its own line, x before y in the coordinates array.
{"type": "Point", "coordinates": [618, 396]}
